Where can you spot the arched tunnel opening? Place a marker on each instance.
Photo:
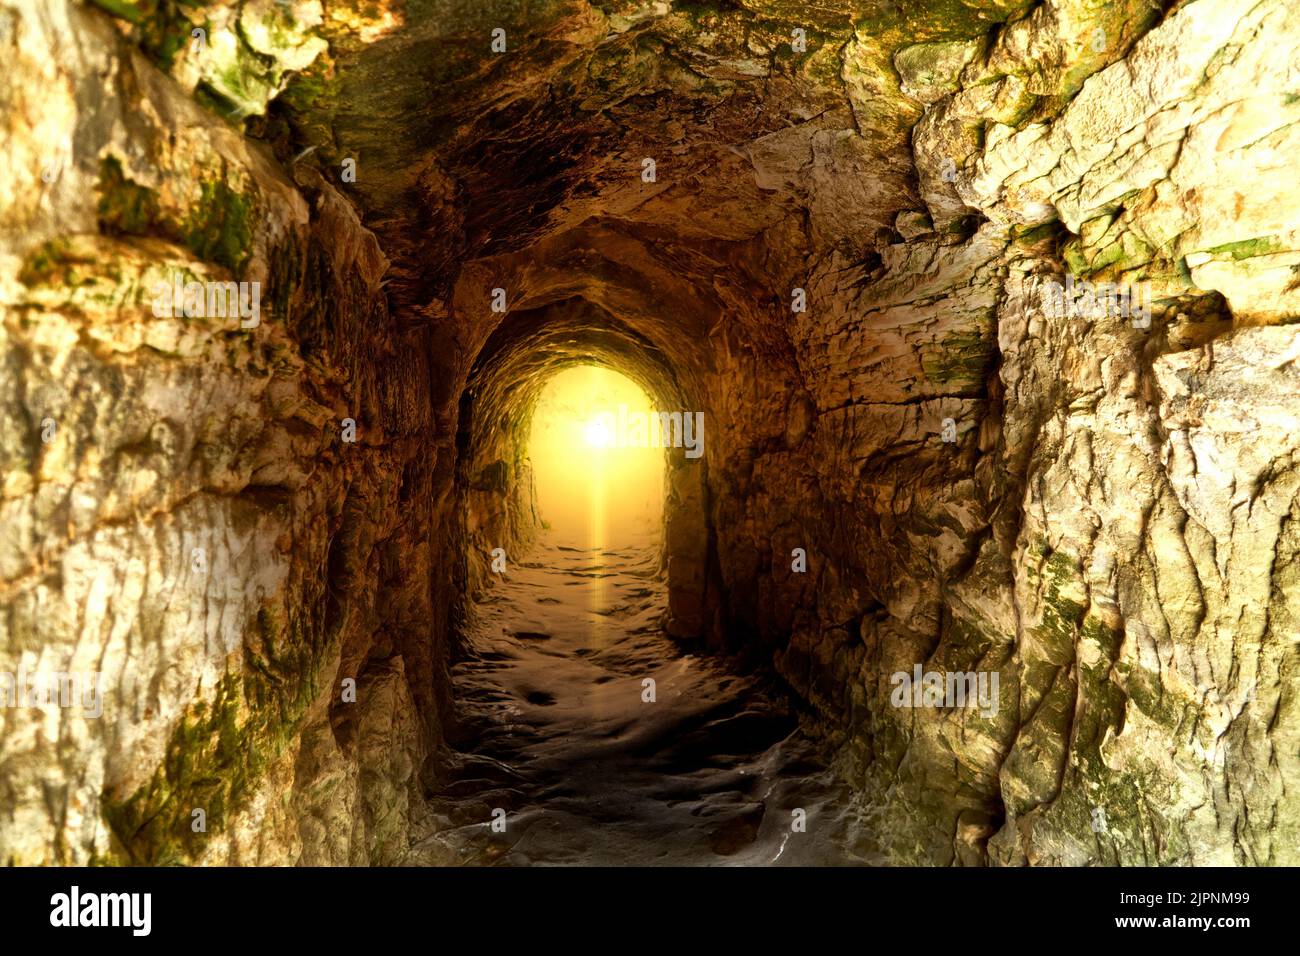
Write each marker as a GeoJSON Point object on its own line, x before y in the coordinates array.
{"type": "Point", "coordinates": [582, 668]}
{"type": "Point", "coordinates": [604, 431]}
{"type": "Point", "coordinates": [567, 395]}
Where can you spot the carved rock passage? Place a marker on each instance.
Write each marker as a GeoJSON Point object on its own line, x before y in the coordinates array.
{"type": "Point", "coordinates": [1112, 531]}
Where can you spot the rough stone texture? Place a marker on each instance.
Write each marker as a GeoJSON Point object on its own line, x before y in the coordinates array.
{"type": "Point", "coordinates": [1112, 531]}
{"type": "Point", "coordinates": [221, 673]}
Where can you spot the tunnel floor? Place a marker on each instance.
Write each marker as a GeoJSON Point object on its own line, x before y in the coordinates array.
{"type": "Point", "coordinates": [553, 729]}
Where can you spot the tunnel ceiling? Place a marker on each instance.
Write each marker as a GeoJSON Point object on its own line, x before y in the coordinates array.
{"type": "Point", "coordinates": [782, 135]}
{"type": "Point", "coordinates": [464, 153]}
{"type": "Point", "coordinates": [532, 345]}
{"type": "Point", "coordinates": [473, 153]}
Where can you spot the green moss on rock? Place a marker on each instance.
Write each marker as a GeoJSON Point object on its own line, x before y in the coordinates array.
{"type": "Point", "coordinates": [221, 749]}
{"type": "Point", "coordinates": [1249, 248]}
{"type": "Point", "coordinates": [963, 358]}
{"type": "Point", "coordinates": [47, 265]}
{"type": "Point", "coordinates": [133, 11]}
{"type": "Point", "coordinates": [124, 207]}
{"type": "Point", "coordinates": [220, 229]}
{"type": "Point", "coordinates": [1061, 616]}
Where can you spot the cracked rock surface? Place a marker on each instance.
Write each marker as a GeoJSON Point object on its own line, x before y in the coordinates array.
{"type": "Point", "coordinates": [858, 221]}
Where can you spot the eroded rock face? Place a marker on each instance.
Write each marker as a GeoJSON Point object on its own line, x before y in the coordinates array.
{"type": "Point", "coordinates": [180, 514]}
{"type": "Point", "coordinates": [846, 251]}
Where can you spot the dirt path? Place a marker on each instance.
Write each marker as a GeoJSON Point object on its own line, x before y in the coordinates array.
{"type": "Point", "coordinates": [554, 730]}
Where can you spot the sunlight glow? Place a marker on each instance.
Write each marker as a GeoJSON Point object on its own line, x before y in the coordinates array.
{"type": "Point", "coordinates": [593, 490]}
{"type": "Point", "coordinates": [598, 435]}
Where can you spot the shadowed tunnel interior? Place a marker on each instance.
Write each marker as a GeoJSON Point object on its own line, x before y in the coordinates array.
{"type": "Point", "coordinates": [975, 544]}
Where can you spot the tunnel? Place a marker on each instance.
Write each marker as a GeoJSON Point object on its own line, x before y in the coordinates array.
{"type": "Point", "coordinates": [684, 433]}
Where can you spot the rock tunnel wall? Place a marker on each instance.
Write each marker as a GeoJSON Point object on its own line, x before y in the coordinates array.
{"type": "Point", "coordinates": [1111, 531]}
{"type": "Point", "coordinates": [196, 529]}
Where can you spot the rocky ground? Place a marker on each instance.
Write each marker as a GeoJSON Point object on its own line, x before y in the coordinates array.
{"type": "Point", "coordinates": [556, 728]}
